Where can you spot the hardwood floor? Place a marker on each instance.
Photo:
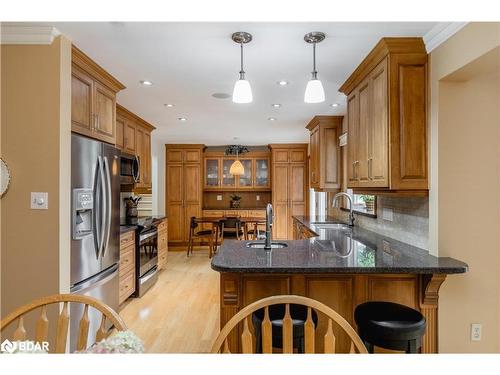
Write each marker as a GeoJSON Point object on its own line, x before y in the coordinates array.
{"type": "Point", "coordinates": [180, 314]}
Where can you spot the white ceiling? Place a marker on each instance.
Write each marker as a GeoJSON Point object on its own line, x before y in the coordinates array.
{"type": "Point", "coordinates": [188, 62]}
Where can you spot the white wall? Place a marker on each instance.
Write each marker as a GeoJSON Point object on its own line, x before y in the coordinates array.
{"type": "Point", "coordinates": [158, 175]}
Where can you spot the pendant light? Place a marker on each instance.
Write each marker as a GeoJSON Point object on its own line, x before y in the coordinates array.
{"type": "Point", "coordinates": [242, 92]}
{"type": "Point", "coordinates": [237, 168]}
{"type": "Point", "coordinates": [314, 89]}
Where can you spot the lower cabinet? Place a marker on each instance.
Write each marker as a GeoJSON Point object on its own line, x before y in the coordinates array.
{"type": "Point", "coordinates": [162, 243]}
{"type": "Point", "coordinates": [127, 266]}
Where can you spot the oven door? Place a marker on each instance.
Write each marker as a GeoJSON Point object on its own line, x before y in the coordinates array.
{"type": "Point", "coordinates": [147, 251]}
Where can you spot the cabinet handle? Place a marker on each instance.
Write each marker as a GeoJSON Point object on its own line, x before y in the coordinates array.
{"type": "Point", "coordinates": [370, 168]}
{"type": "Point", "coordinates": [97, 121]}
{"type": "Point", "coordinates": [353, 170]}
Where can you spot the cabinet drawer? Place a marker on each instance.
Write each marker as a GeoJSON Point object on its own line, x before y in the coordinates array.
{"type": "Point", "coordinates": [213, 213]}
{"type": "Point", "coordinates": [236, 213]}
{"type": "Point", "coordinates": [127, 239]}
{"type": "Point", "coordinates": [127, 260]}
{"type": "Point", "coordinates": [127, 286]}
{"type": "Point", "coordinates": [162, 242]}
{"type": "Point", "coordinates": [257, 213]}
{"type": "Point", "coordinates": [162, 226]}
{"type": "Point", "coordinates": [162, 257]}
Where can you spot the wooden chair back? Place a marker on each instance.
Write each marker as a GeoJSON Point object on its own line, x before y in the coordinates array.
{"type": "Point", "coordinates": [42, 324]}
{"type": "Point", "coordinates": [245, 314]}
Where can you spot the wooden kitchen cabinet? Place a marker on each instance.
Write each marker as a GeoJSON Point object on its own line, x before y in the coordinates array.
{"type": "Point", "coordinates": [325, 166]}
{"type": "Point", "coordinates": [126, 268]}
{"type": "Point", "coordinates": [162, 228]}
{"type": "Point", "coordinates": [135, 139]}
{"type": "Point", "coordinates": [183, 190]}
{"type": "Point", "coordinates": [386, 119]}
{"type": "Point", "coordinates": [93, 98]}
{"type": "Point", "coordinates": [289, 186]}
{"type": "Point", "coordinates": [257, 174]}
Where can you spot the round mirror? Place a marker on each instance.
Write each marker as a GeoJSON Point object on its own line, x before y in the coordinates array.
{"type": "Point", "coordinates": [4, 177]}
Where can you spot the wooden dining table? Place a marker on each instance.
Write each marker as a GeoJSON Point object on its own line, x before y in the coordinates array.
{"type": "Point", "coordinates": [216, 220]}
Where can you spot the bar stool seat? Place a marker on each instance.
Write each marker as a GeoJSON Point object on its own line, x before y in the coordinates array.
{"type": "Point", "coordinates": [298, 314]}
{"type": "Point", "coordinates": [390, 325]}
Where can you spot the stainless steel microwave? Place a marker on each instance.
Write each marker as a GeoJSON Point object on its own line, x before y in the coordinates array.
{"type": "Point", "coordinates": [130, 169]}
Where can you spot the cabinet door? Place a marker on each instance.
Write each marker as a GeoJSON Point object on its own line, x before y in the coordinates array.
{"type": "Point", "coordinates": [139, 151]}
{"type": "Point", "coordinates": [147, 158]}
{"type": "Point", "coordinates": [363, 134]}
{"type": "Point", "coordinates": [212, 173]}
{"type": "Point", "coordinates": [175, 202]}
{"type": "Point", "coordinates": [120, 132]}
{"type": "Point", "coordinates": [297, 194]}
{"type": "Point", "coordinates": [298, 155]}
{"type": "Point", "coordinates": [228, 179]}
{"type": "Point", "coordinates": [192, 155]}
{"type": "Point", "coordinates": [378, 146]}
{"type": "Point", "coordinates": [352, 137]}
{"type": "Point", "coordinates": [280, 155]}
{"type": "Point", "coordinates": [280, 201]}
{"type": "Point", "coordinates": [129, 137]}
{"type": "Point", "coordinates": [82, 88]}
{"type": "Point", "coordinates": [330, 160]}
{"type": "Point", "coordinates": [192, 194]}
{"type": "Point", "coordinates": [262, 176]}
{"type": "Point", "coordinates": [314, 158]}
{"type": "Point", "coordinates": [105, 111]}
{"type": "Point", "coordinates": [246, 179]}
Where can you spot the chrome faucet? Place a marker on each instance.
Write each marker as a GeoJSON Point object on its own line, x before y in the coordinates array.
{"type": "Point", "coordinates": [269, 223]}
{"type": "Point", "coordinates": [334, 204]}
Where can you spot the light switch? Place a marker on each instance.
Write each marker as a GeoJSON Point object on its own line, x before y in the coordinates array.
{"type": "Point", "coordinates": [387, 214]}
{"type": "Point", "coordinates": [39, 201]}
{"type": "Point", "coordinates": [219, 197]}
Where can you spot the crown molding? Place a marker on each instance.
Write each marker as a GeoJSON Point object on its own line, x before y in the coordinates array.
{"type": "Point", "coordinates": [21, 34]}
{"type": "Point", "coordinates": [440, 33]}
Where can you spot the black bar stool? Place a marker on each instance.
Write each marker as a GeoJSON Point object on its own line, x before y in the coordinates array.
{"type": "Point", "coordinates": [298, 314]}
{"type": "Point", "coordinates": [390, 325]}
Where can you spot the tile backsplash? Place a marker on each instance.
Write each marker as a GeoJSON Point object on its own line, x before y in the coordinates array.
{"type": "Point", "coordinates": [410, 222]}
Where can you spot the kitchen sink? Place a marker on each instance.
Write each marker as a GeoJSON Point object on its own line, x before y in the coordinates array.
{"type": "Point", "coordinates": [318, 225]}
{"type": "Point", "coordinates": [260, 245]}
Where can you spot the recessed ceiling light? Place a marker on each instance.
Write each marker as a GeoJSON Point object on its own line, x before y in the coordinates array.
{"type": "Point", "coordinates": [282, 83]}
{"type": "Point", "coordinates": [276, 105]}
{"type": "Point", "coordinates": [169, 105]}
{"type": "Point", "coordinates": [181, 118]}
{"type": "Point", "coordinates": [146, 83]}
{"type": "Point", "coordinates": [271, 118]}
{"type": "Point", "coordinates": [334, 105]}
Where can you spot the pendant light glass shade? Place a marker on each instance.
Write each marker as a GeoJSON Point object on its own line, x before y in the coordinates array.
{"type": "Point", "coordinates": [314, 92]}
{"type": "Point", "coordinates": [242, 92]}
{"type": "Point", "coordinates": [237, 168]}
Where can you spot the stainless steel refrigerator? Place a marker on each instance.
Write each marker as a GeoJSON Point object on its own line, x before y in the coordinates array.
{"type": "Point", "coordinates": [95, 215]}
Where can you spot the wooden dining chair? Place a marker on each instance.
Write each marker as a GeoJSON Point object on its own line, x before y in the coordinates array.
{"type": "Point", "coordinates": [201, 235]}
{"type": "Point", "coordinates": [42, 324]}
{"type": "Point", "coordinates": [244, 316]}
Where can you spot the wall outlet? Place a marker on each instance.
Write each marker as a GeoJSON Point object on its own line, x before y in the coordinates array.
{"type": "Point", "coordinates": [476, 331]}
{"type": "Point", "coordinates": [387, 214]}
{"type": "Point", "coordinates": [39, 201]}
{"type": "Point", "coordinates": [219, 197]}
{"type": "Point", "coordinates": [257, 197]}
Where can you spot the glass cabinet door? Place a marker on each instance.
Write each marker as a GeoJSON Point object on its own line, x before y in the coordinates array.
{"type": "Point", "coordinates": [262, 172]}
{"type": "Point", "coordinates": [211, 172]}
{"type": "Point", "coordinates": [227, 178]}
{"type": "Point", "coordinates": [246, 179]}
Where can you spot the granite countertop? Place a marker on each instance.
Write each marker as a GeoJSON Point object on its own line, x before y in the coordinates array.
{"type": "Point", "coordinates": [353, 250]}
{"type": "Point", "coordinates": [128, 224]}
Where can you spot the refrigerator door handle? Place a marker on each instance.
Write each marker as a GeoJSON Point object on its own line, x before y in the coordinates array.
{"type": "Point", "coordinates": [103, 206]}
{"type": "Point", "coordinates": [95, 217]}
{"type": "Point", "coordinates": [108, 206]}
{"type": "Point", "coordinates": [97, 280]}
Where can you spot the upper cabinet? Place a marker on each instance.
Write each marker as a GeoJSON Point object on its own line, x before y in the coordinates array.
{"type": "Point", "coordinates": [256, 165]}
{"type": "Point", "coordinates": [93, 98]}
{"type": "Point", "coordinates": [386, 119]}
{"type": "Point", "coordinates": [133, 136]}
{"type": "Point", "coordinates": [325, 166]}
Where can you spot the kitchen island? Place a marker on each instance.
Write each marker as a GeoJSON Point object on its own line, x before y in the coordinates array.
{"type": "Point", "coordinates": [339, 266]}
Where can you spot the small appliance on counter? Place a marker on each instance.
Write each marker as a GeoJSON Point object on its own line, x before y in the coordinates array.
{"type": "Point", "coordinates": [131, 204]}
{"type": "Point", "coordinates": [146, 252]}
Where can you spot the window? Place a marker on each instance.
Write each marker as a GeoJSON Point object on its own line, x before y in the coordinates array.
{"type": "Point", "coordinates": [362, 203]}
{"type": "Point", "coordinates": [317, 206]}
